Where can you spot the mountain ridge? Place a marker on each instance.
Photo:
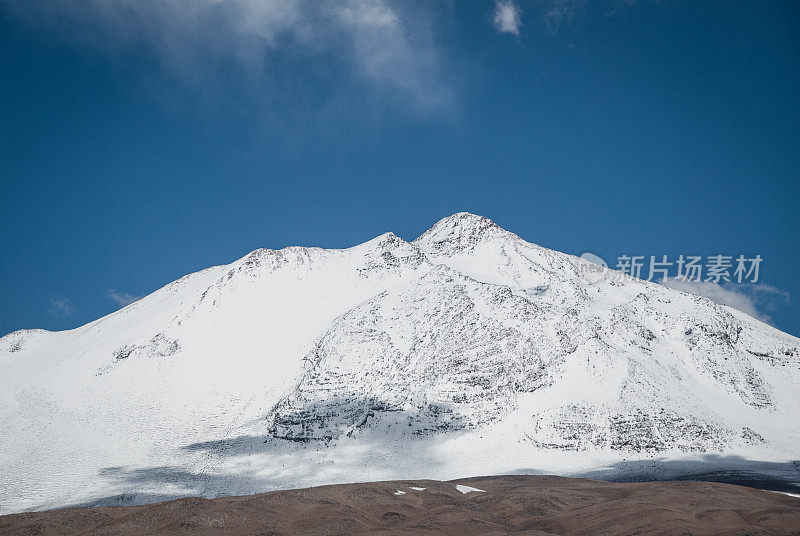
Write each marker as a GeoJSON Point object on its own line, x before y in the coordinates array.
{"type": "Point", "coordinates": [304, 366]}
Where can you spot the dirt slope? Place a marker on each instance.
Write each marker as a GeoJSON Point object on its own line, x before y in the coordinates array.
{"type": "Point", "coordinates": [509, 505]}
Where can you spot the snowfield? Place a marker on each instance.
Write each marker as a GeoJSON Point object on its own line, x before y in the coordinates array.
{"type": "Point", "coordinates": [465, 352]}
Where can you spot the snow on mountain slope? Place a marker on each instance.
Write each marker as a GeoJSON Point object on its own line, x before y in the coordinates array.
{"type": "Point", "coordinates": [181, 365]}
{"type": "Point", "coordinates": [468, 351]}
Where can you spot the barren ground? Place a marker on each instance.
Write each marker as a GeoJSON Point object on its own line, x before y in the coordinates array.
{"type": "Point", "coordinates": [535, 505]}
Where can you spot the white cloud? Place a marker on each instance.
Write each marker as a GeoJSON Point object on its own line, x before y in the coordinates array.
{"type": "Point", "coordinates": [122, 298]}
{"type": "Point", "coordinates": [388, 57]}
{"type": "Point", "coordinates": [61, 306]}
{"type": "Point", "coordinates": [752, 299]}
{"type": "Point", "coordinates": [507, 17]}
{"type": "Point", "coordinates": [387, 47]}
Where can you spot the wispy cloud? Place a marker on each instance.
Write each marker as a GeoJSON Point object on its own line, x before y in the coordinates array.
{"type": "Point", "coordinates": [507, 17]}
{"type": "Point", "coordinates": [619, 6]}
{"type": "Point", "coordinates": [388, 47]}
{"type": "Point", "coordinates": [122, 298]}
{"type": "Point", "coordinates": [61, 306]}
{"type": "Point", "coordinates": [561, 12]}
{"type": "Point", "coordinates": [753, 299]}
{"type": "Point", "coordinates": [558, 14]}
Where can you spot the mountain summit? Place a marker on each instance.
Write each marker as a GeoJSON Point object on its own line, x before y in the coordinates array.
{"type": "Point", "coordinates": [467, 351]}
{"type": "Point", "coordinates": [460, 232]}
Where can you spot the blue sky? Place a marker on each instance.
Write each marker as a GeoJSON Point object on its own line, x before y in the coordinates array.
{"type": "Point", "coordinates": [141, 143]}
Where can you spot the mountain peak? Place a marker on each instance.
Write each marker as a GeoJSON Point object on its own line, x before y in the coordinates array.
{"type": "Point", "coordinates": [387, 240]}
{"type": "Point", "coordinates": [465, 219]}
{"type": "Point", "coordinates": [461, 231]}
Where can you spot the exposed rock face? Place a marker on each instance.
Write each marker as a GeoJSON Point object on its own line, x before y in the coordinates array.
{"type": "Point", "coordinates": [449, 350]}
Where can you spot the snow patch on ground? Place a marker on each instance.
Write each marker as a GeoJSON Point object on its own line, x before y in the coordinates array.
{"type": "Point", "coordinates": [468, 489]}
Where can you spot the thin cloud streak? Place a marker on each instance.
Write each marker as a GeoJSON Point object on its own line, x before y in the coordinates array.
{"type": "Point", "coordinates": [122, 298]}
{"type": "Point", "coordinates": [752, 299]}
{"type": "Point", "coordinates": [62, 307]}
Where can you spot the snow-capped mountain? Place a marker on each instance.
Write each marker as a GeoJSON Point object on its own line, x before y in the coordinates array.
{"type": "Point", "coordinates": [467, 351]}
